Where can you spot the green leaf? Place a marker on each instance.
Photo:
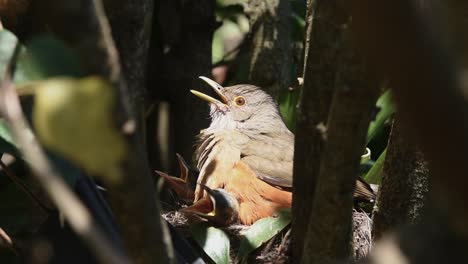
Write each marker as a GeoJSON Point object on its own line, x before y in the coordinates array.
{"type": "Point", "coordinates": [287, 106]}
{"type": "Point", "coordinates": [260, 232]}
{"type": "Point", "coordinates": [374, 175]}
{"type": "Point", "coordinates": [45, 57]}
{"type": "Point", "coordinates": [214, 242]}
{"type": "Point", "coordinates": [384, 103]}
{"type": "Point", "coordinates": [74, 117]}
{"type": "Point", "coordinates": [217, 47]}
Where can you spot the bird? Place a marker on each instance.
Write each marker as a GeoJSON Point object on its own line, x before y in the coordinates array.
{"type": "Point", "coordinates": [183, 185]}
{"type": "Point", "coordinates": [221, 209]}
{"type": "Point", "coordinates": [247, 151]}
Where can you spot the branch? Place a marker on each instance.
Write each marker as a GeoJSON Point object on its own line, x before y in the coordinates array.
{"type": "Point", "coordinates": [76, 214]}
{"type": "Point", "coordinates": [16, 180]}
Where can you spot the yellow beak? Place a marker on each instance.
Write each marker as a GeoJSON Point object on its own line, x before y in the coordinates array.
{"type": "Point", "coordinates": [216, 87]}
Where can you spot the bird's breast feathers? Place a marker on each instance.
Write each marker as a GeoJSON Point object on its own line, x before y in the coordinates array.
{"type": "Point", "coordinates": [271, 158]}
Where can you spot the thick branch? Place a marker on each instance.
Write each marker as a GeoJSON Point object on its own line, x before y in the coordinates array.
{"type": "Point", "coordinates": [404, 185]}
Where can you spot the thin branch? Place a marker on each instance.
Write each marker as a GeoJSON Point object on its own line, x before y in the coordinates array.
{"type": "Point", "coordinates": [74, 211]}
{"type": "Point", "coordinates": [16, 180]}
{"type": "Point", "coordinates": [7, 242]}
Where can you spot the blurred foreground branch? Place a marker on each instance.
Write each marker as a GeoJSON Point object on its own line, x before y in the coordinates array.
{"type": "Point", "coordinates": [84, 25]}
{"type": "Point", "coordinates": [419, 70]}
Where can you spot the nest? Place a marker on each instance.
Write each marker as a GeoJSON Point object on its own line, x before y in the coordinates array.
{"type": "Point", "coordinates": [362, 234]}
{"type": "Point", "coordinates": [278, 249]}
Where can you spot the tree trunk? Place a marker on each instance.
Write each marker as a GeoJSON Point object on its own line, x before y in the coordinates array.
{"type": "Point", "coordinates": [320, 68]}
{"type": "Point", "coordinates": [182, 52]}
{"type": "Point", "coordinates": [130, 22]}
{"type": "Point", "coordinates": [270, 65]}
{"type": "Point", "coordinates": [404, 187]}
{"type": "Point", "coordinates": [328, 236]}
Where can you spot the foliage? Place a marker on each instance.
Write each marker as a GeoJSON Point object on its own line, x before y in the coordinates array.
{"type": "Point", "coordinates": [374, 175]}
{"type": "Point", "coordinates": [260, 232]}
{"type": "Point", "coordinates": [213, 241]}
{"type": "Point", "coordinates": [386, 109]}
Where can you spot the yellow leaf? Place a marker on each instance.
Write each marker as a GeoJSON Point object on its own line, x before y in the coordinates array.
{"type": "Point", "coordinates": [74, 118]}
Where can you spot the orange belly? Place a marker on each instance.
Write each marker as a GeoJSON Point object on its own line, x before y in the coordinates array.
{"type": "Point", "coordinates": [257, 199]}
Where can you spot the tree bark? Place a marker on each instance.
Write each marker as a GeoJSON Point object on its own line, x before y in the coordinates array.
{"type": "Point", "coordinates": [84, 26]}
{"type": "Point", "coordinates": [404, 187]}
{"type": "Point", "coordinates": [270, 65]}
{"type": "Point", "coordinates": [324, 26]}
{"type": "Point", "coordinates": [328, 236]}
{"type": "Point", "coordinates": [184, 51]}
{"type": "Point", "coordinates": [454, 17]}
{"type": "Point", "coordinates": [130, 23]}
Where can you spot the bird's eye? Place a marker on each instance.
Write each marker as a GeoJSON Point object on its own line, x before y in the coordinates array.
{"type": "Point", "coordinates": [239, 101]}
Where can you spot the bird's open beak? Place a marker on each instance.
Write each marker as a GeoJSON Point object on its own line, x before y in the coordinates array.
{"type": "Point", "coordinates": [217, 88]}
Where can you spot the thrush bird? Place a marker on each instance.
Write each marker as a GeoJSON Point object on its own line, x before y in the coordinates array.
{"type": "Point", "coordinates": [247, 151]}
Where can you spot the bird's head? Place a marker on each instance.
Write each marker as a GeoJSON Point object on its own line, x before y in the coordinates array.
{"type": "Point", "coordinates": [219, 207]}
{"type": "Point", "coordinates": [243, 107]}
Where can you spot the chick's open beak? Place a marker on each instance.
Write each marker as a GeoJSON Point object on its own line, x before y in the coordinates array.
{"type": "Point", "coordinates": [217, 88]}
{"type": "Point", "coordinates": [205, 207]}
{"type": "Point", "coordinates": [219, 207]}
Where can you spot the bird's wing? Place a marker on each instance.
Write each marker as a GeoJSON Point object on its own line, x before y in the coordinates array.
{"type": "Point", "coordinates": [364, 191]}
{"type": "Point", "coordinates": [277, 173]}
{"type": "Point", "coordinates": [271, 160]}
